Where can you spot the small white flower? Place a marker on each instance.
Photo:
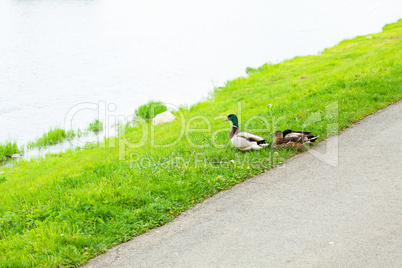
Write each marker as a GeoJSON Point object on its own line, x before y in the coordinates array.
{"type": "Point", "coordinates": [270, 105]}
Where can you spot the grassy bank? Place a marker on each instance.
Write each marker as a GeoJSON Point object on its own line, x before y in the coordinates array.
{"type": "Point", "coordinates": [69, 207]}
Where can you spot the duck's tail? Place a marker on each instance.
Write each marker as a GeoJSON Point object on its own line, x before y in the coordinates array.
{"type": "Point", "coordinates": [312, 138]}
{"type": "Point", "coordinates": [262, 143]}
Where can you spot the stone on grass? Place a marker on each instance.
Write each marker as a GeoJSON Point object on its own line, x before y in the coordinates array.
{"type": "Point", "coordinates": [163, 118]}
{"type": "Point", "coordinates": [13, 156]}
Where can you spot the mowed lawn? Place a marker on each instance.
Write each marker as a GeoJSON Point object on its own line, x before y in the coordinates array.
{"type": "Point", "coordinates": [63, 209]}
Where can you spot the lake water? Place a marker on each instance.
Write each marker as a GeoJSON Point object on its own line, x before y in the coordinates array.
{"type": "Point", "coordinates": [56, 55]}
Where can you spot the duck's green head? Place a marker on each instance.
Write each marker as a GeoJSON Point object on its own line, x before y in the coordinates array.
{"type": "Point", "coordinates": [287, 131]}
{"type": "Point", "coordinates": [233, 118]}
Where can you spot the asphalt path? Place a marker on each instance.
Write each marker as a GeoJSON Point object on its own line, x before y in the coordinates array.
{"type": "Point", "coordinates": [337, 205]}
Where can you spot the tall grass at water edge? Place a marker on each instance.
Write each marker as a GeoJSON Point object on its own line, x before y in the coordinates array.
{"type": "Point", "coordinates": [150, 109]}
{"type": "Point", "coordinates": [95, 126]}
{"type": "Point", "coordinates": [58, 135]}
{"type": "Point", "coordinates": [8, 148]}
{"type": "Point", "coordinates": [53, 136]}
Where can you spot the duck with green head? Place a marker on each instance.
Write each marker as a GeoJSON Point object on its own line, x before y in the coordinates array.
{"type": "Point", "coordinates": [244, 141]}
{"type": "Point", "coordinates": [295, 139]}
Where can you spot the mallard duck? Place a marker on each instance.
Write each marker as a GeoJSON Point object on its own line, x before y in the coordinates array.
{"type": "Point", "coordinates": [289, 138]}
{"type": "Point", "coordinates": [244, 141]}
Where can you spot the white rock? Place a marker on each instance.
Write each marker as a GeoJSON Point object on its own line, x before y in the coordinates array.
{"type": "Point", "coordinates": [163, 118]}
{"type": "Point", "coordinates": [14, 156]}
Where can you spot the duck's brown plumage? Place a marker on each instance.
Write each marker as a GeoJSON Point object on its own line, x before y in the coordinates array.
{"type": "Point", "coordinates": [234, 131]}
{"type": "Point", "coordinates": [295, 139]}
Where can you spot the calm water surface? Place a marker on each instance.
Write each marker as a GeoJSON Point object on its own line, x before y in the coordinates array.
{"type": "Point", "coordinates": [55, 55]}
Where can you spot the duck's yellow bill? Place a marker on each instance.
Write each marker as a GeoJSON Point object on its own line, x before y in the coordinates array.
{"type": "Point", "coordinates": [225, 120]}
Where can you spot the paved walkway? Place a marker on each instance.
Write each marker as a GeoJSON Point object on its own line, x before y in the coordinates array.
{"type": "Point", "coordinates": [344, 210]}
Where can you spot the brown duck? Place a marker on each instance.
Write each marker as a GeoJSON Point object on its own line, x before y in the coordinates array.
{"type": "Point", "coordinates": [295, 139]}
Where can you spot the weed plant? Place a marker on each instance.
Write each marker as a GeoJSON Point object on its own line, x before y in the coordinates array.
{"type": "Point", "coordinates": [53, 136]}
{"type": "Point", "coordinates": [150, 109]}
{"type": "Point", "coordinates": [96, 126]}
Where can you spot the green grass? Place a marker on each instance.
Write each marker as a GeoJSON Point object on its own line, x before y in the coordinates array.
{"type": "Point", "coordinates": [53, 136]}
{"type": "Point", "coordinates": [8, 148]}
{"type": "Point", "coordinates": [96, 126]}
{"type": "Point", "coordinates": [150, 109]}
{"type": "Point", "coordinates": [66, 208]}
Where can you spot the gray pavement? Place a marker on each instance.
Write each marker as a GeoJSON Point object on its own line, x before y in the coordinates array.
{"type": "Point", "coordinates": [343, 209]}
